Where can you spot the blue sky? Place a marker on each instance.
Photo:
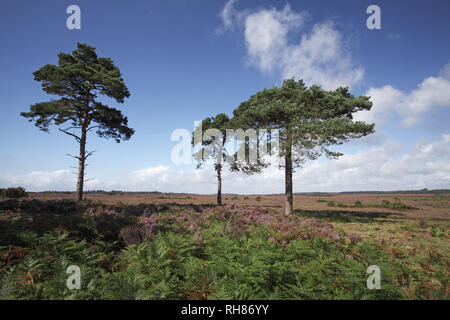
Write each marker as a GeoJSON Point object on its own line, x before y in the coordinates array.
{"type": "Point", "coordinates": [186, 60]}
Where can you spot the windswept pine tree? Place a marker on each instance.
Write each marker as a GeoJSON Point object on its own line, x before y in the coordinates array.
{"type": "Point", "coordinates": [78, 79]}
{"type": "Point", "coordinates": [212, 145]}
{"type": "Point", "coordinates": [309, 119]}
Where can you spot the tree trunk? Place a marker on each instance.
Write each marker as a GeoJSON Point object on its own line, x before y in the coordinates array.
{"type": "Point", "coordinates": [219, 184]}
{"type": "Point", "coordinates": [81, 163]}
{"type": "Point", "coordinates": [288, 178]}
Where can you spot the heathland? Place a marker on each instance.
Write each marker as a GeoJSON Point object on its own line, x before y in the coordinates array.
{"type": "Point", "coordinates": [182, 246]}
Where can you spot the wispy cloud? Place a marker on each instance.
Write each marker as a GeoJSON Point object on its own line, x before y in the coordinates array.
{"type": "Point", "coordinates": [395, 36]}
{"type": "Point", "coordinates": [229, 16]}
{"type": "Point", "coordinates": [319, 57]}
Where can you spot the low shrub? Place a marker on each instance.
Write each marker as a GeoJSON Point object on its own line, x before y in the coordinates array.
{"type": "Point", "coordinates": [18, 192]}
{"type": "Point", "coordinates": [135, 234]}
{"type": "Point", "coordinates": [342, 205]}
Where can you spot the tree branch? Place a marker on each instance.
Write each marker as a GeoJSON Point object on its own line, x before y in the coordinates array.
{"type": "Point", "coordinates": [75, 157]}
{"type": "Point", "coordinates": [89, 154]}
{"type": "Point", "coordinates": [70, 134]}
{"type": "Point", "coordinates": [92, 128]}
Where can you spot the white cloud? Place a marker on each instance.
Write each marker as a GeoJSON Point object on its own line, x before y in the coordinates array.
{"type": "Point", "coordinates": [386, 100]}
{"type": "Point", "coordinates": [319, 57]}
{"type": "Point", "coordinates": [381, 167]}
{"type": "Point", "coordinates": [40, 180]}
{"type": "Point", "coordinates": [431, 94]}
{"type": "Point", "coordinates": [228, 15]}
{"type": "Point", "coordinates": [266, 35]}
{"type": "Point", "coordinates": [166, 179]}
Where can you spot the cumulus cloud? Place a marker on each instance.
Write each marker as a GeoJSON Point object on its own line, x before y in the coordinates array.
{"type": "Point", "coordinates": [319, 57]}
{"type": "Point", "coordinates": [266, 35]}
{"type": "Point", "coordinates": [381, 167]}
{"type": "Point", "coordinates": [385, 167]}
{"type": "Point", "coordinates": [167, 179]}
{"type": "Point", "coordinates": [431, 94]}
{"type": "Point", "coordinates": [40, 180]}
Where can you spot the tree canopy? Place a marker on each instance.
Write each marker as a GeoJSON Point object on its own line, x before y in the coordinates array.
{"type": "Point", "coordinates": [78, 79]}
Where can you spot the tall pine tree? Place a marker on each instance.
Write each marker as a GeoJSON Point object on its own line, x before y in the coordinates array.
{"type": "Point", "coordinates": [78, 79]}
{"type": "Point", "coordinates": [309, 120]}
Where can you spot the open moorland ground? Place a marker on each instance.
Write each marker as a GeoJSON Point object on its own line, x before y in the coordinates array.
{"type": "Point", "coordinates": [181, 246]}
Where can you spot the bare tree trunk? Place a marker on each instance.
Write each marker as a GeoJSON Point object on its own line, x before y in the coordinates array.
{"type": "Point", "coordinates": [81, 163]}
{"type": "Point", "coordinates": [288, 178]}
{"type": "Point", "coordinates": [219, 184]}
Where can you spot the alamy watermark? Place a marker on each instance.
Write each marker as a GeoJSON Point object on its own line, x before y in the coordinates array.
{"type": "Point", "coordinates": [74, 280]}
{"type": "Point", "coordinates": [240, 147]}
{"type": "Point", "coordinates": [73, 22]}
{"type": "Point", "coordinates": [374, 280]}
{"type": "Point", "coordinates": [374, 20]}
